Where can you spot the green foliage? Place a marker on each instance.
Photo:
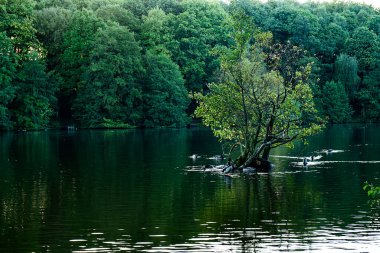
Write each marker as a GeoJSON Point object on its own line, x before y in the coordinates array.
{"type": "Point", "coordinates": [110, 84]}
{"type": "Point", "coordinates": [46, 4]}
{"type": "Point", "coordinates": [197, 30]}
{"type": "Point", "coordinates": [26, 95]}
{"type": "Point", "coordinates": [341, 39]}
{"type": "Point", "coordinates": [17, 22]}
{"type": "Point", "coordinates": [74, 61]}
{"type": "Point", "coordinates": [334, 102]}
{"type": "Point", "coordinates": [7, 71]}
{"type": "Point", "coordinates": [108, 123]}
{"type": "Point", "coordinates": [116, 13]}
{"type": "Point", "coordinates": [374, 24]}
{"type": "Point", "coordinates": [142, 7]}
{"type": "Point", "coordinates": [35, 98]}
{"type": "Point", "coordinates": [331, 41]}
{"type": "Point", "coordinates": [327, 30]}
{"type": "Point", "coordinates": [373, 193]}
{"type": "Point", "coordinates": [165, 100]}
{"type": "Point", "coordinates": [365, 46]}
{"type": "Point", "coordinates": [369, 100]}
{"type": "Point", "coordinates": [346, 72]}
{"type": "Point", "coordinates": [51, 24]}
{"type": "Point", "coordinates": [155, 34]}
{"type": "Point", "coordinates": [77, 44]}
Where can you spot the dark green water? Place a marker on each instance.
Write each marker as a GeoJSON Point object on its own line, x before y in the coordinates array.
{"type": "Point", "coordinates": [103, 191]}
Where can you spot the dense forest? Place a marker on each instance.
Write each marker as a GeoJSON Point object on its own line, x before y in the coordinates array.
{"type": "Point", "coordinates": [139, 63]}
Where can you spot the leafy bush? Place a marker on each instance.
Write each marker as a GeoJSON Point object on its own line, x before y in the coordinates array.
{"type": "Point", "coordinates": [109, 123]}
{"type": "Point", "coordinates": [373, 193]}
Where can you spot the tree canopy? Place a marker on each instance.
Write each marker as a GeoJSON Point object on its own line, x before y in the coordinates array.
{"type": "Point", "coordinates": [109, 88]}
{"type": "Point", "coordinates": [58, 39]}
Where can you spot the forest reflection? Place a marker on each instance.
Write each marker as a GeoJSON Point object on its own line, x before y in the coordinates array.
{"type": "Point", "coordinates": [79, 191]}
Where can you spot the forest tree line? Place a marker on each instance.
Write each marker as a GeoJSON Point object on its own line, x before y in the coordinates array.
{"type": "Point", "coordinates": [124, 63]}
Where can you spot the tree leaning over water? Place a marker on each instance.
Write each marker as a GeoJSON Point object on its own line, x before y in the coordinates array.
{"type": "Point", "coordinates": [255, 106]}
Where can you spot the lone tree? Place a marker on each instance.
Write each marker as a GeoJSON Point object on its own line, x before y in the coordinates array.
{"type": "Point", "coordinates": [258, 104]}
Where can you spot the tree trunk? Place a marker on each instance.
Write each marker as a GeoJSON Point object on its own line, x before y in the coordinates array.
{"type": "Point", "coordinates": [242, 158]}
{"type": "Point", "coordinates": [254, 160]}
{"type": "Point", "coordinates": [266, 152]}
{"type": "Point", "coordinates": [268, 138]}
{"type": "Point", "coordinates": [249, 159]}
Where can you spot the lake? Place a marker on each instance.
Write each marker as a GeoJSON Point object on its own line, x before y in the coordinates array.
{"type": "Point", "coordinates": [138, 190]}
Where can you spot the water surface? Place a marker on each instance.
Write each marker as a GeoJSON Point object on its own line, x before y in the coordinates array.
{"type": "Point", "coordinates": [136, 190]}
